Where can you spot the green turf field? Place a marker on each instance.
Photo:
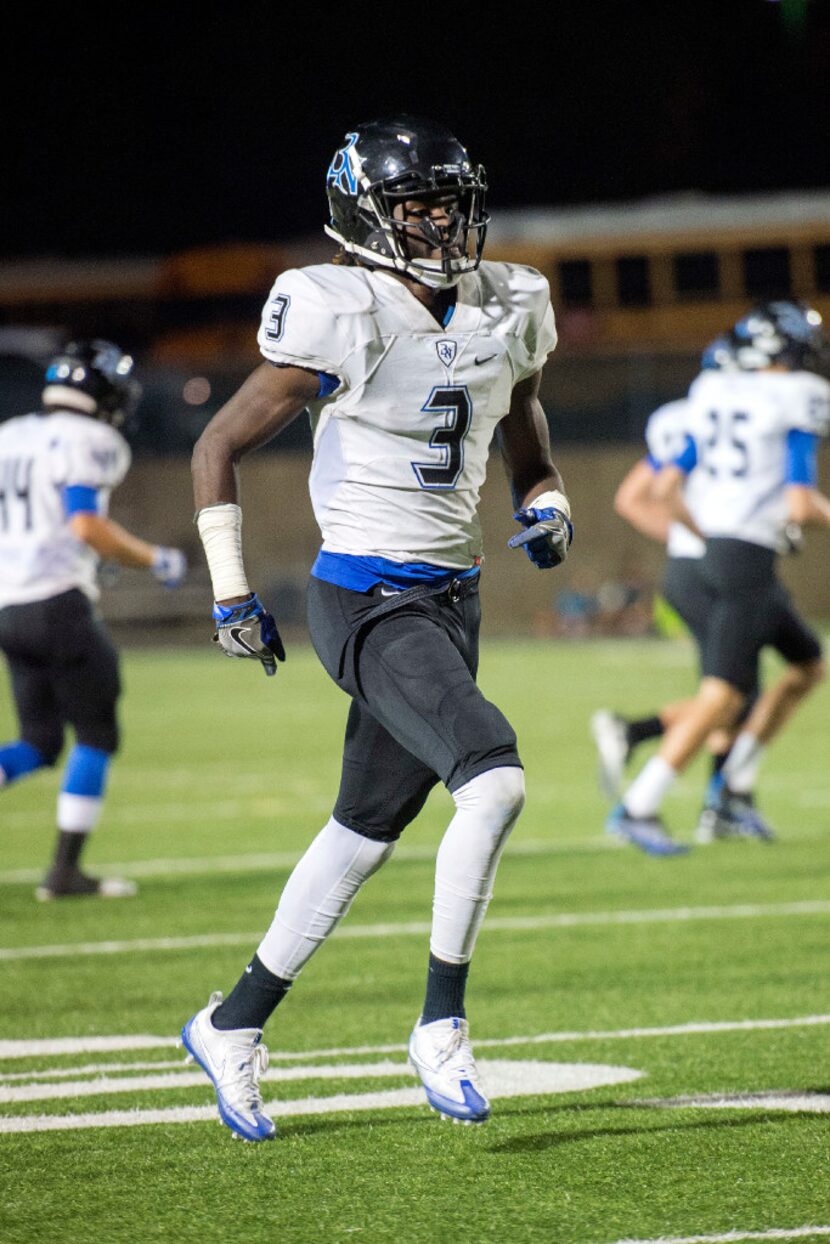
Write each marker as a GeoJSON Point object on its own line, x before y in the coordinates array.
{"type": "Point", "coordinates": [606, 986]}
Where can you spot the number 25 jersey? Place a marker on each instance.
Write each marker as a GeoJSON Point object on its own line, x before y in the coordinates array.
{"type": "Point", "coordinates": [401, 441]}
{"type": "Point", "coordinates": [746, 428]}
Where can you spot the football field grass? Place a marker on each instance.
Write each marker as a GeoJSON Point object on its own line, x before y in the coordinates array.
{"type": "Point", "coordinates": [655, 1033]}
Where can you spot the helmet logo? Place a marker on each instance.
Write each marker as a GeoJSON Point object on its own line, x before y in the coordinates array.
{"type": "Point", "coordinates": [447, 350]}
{"type": "Point", "coordinates": [340, 172]}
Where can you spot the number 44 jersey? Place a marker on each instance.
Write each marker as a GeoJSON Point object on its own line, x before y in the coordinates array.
{"type": "Point", "coordinates": [41, 457]}
{"type": "Point", "coordinates": [408, 407]}
{"type": "Point", "coordinates": [753, 434]}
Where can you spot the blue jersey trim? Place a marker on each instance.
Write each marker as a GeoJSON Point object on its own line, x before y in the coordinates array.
{"type": "Point", "coordinates": [448, 314]}
{"type": "Point", "coordinates": [78, 499]}
{"type": "Point", "coordinates": [328, 383]}
{"type": "Point", "coordinates": [802, 450]}
{"type": "Point", "coordinates": [687, 460]}
{"type": "Point", "coordinates": [360, 574]}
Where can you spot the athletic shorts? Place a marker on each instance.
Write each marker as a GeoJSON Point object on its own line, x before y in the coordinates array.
{"type": "Point", "coordinates": [409, 662]}
{"type": "Point", "coordinates": [688, 594]}
{"type": "Point", "coordinates": [64, 671]}
{"type": "Point", "coordinates": [751, 610]}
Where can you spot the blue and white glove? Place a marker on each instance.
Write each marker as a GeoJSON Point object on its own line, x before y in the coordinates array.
{"type": "Point", "coordinates": [248, 630]}
{"type": "Point", "coordinates": [169, 566]}
{"type": "Point", "coordinates": [548, 533]}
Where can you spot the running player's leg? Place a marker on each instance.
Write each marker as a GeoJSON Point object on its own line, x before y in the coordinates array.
{"type": "Point", "coordinates": [40, 738]}
{"type": "Point", "coordinates": [87, 688]}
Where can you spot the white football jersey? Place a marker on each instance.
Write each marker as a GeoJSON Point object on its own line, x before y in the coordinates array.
{"type": "Point", "coordinates": [740, 422]}
{"type": "Point", "coordinates": [40, 455]}
{"type": "Point", "coordinates": [666, 437]}
{"type": "Point", "coordinates": [401, 445]}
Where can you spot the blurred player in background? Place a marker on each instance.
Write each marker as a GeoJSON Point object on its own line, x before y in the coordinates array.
{"type": "Point", "coordinates": [57, 470]}
{"type": "Point", "coordinates": [751, 464]}
{"type": "Point", "coordinates": [409, 353]}
{"type": "Point", "coordinates": [617, 737]}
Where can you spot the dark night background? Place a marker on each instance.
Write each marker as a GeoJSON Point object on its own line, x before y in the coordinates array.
{"type": "Point", "coordinates": [137, 132]}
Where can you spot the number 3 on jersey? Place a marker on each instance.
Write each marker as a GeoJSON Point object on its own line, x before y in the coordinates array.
{"type": "Point", "coordinates": [453, 402]}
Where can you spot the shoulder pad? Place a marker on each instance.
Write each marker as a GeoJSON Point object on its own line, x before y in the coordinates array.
{"type": "Point", "coordinates": [515, 280]}
{"type": "Point", "coordinates": [340, 289]}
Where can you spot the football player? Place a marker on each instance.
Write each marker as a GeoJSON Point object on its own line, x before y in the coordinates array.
{"type": "Point", "coordinates": [57, 470]}
{"type": "Point", "coordinates": [753, 436]}
{"type": "Point", "coordinates": [409, 353]}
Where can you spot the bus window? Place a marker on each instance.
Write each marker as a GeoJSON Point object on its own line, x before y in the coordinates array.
{"type": "Point", "coordinates": [575, 282]}
{"type": "Point", "coordinates": [822, 257]}
{"type": "Point", "coordinates": [696, 274]}
{"type": "Point", "coordinates": [633, 285]}
{"type": "Point", "coordinates": [767, 272]}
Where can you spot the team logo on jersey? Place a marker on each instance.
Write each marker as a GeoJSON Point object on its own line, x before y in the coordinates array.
{"type": "Point", "coordinates": [341, 173]}
{"type": "Point", "coordinates": [447, 350]}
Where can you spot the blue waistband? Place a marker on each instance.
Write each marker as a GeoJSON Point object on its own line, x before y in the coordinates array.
{"type": "Point", "coordinates": [360, 574]}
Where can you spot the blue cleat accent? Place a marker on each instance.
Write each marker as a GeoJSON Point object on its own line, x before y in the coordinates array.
{"type": "Point", "coordinates": [440, 1053]}
{"type": "Point", "coordinates": [233, 1061]}
{"type": "Point", "coordinates": [739, 811]}
{"type": "Point", "coordinates": [648, 833]}
{"type": "Point", "coordinates": [727, 814]}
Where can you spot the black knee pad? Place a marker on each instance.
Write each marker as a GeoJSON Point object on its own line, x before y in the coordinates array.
{"type": "Point", "coordinates": [104, 735]}
{"type": "Point", "coordinates": [48, 739]}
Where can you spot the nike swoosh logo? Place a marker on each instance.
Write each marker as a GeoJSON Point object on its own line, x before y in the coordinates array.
{"type": "Point", "coordinates": [486, 359]}
{"type": "Point", "coordinates": [236, 635]}
{"type": "Point", "coordinates": [248, 968]}
{"type": "Point", "coordinates": [390, 591]}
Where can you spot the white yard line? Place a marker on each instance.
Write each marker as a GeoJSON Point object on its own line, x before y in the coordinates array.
{"type": "Point", "coordinates": [58, 1046]}
{"type": "Point", "coordinates": [735, 1237]}
{"type": "Point", "coordinates": [504, 1079]}
{"type": "Point", "coordinates": [496, 924]}
{"type": "Point", "coordinates": [279, 861]}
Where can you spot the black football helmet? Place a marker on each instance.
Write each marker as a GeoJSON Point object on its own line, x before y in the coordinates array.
{"type": "Point", "coordinates": [383, 163]}
{"type": "Point", "coordinates": [719, 355]}
{"type": "Point", "coordinates": [786, 334]}
{"type": "Point", "coordinates": [95, 378]}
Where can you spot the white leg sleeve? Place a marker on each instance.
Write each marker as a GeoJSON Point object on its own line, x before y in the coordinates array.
{"type": "Point", "coordinates": [78, 814]}
{"type": "Point", "coordinates": [317, 896]}
{"type": "Point", "coordinates": [487, 808]}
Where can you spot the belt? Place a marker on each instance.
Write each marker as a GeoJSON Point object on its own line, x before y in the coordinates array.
{"type": "Point", "coordinates": [455, 590]}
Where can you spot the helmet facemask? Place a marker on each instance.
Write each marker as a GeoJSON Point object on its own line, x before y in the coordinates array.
{"type": "Point", "coordinates": [367, 213]}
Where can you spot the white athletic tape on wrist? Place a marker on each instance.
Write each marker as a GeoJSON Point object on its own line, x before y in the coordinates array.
{"type": "Point", "coordinates": [553, 500]}
{"type": "Point", "coordinates": [220, 529]}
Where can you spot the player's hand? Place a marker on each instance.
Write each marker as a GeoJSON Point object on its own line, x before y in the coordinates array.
{"type": "Point", "coordinates": [547, 536]}
{"type": "Point", "coordinates": [790, 540]}
{"type": "Point", "coordinates": [169, 566]}
{"type": "Point", "coordinates": [248, 630]}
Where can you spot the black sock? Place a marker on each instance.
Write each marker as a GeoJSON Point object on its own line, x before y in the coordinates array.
{"type": "Point", "coordinates": [254, 996]}
{"type": "Point", "coordinates": [718, 762]}
{"type": "Point", "coordinates": [646, 728]}
{"type": "Point", "coordinates": [446, 983]}
{"type": "Point", "coordinates": [68, 850]}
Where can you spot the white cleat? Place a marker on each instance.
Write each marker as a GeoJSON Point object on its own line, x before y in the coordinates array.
{"type": "Point", "coordinates": [612, 749]}
{"type": "Point", "coordinates": [234, 1060]}
{"type": "Point", "coordinates": [440, 1053]}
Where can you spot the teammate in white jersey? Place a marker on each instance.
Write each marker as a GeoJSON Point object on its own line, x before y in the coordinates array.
{"type": "Point", "coordinates": [57, 470]}
{"type": "Point", "coordinates": [753, 437]}
{"type": "Point", "coordinates": [410, 355]}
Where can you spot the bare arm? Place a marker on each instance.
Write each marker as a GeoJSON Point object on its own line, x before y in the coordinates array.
{"type": "Point", "coordinates": [808, 506]}
{"type": "Point", "coordinates": [110, 540]}
{"type": "Point", "coordinates": [634, 501]}
{"type": "Point", "coordinates": [525, 445]}
{"type": "Point", "coordinates": [266, 403]}
{"type": "Point", "coordinates": [668, 491]}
